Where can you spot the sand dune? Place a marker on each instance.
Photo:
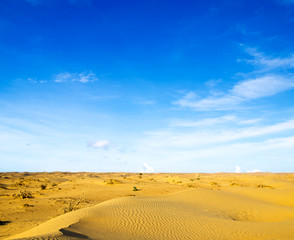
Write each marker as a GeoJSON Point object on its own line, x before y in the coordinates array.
{"type": "Point", "coordinates": [188, 214]}
{"type": "Point", "coordinates": [167, 206]}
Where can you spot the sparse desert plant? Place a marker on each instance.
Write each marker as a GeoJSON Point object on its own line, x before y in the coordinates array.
{"type": "Point", "coordinates": [23, 193]}
{"type": "Point", "coordinates": [27, 205]}
{"type": "Point", "coordinates": [43, 186]}
{"type": "Point", "coordinates": [19, 183]}
{"type": "Point", "coordinates": [113, 181]}
{"type": "Point", "coordinates": [4, 222]}
{"type": "Point", "coordinates": [73, 203]}
{"type": "Point", "coordinates": [135, 189]}
{"type": "Point", "coordinates": [192, 180]}
{"type": "Point", "coordinates": [215, 184]}
{"type": "Point", "coordinates": [234, 184]}
{"type": "Point", "coordinates": [54, 184]}
{"type": "Point", "coordinates": [264, 186]}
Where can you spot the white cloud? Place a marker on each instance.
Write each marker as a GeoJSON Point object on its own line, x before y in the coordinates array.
{"type": "Point", "coordinates": [102, 144]}
{"type": "Point", "coordinates": [231, 119]}
{"type": "Point", "coordinates": [237, 169]}
{"type": "Point", "coordinates": [202, 122]}
{"type": "Point", "coordinates": [210, 103]}
{"type": "Point", "coordinates": [213, 83]}
{"type": "Point", "coordinates": [261, 87]}
{"type": "Point", "coordinates": [266, 63]}
{"type": "Point", "coordinates": [34, 80]}
{"type": "Point", "coordinates": [76, 77]}
{"type": "Point", "coordinates": [240, 93]}
{"type": "Point", "coordinates": [63, 77]}
{"type": "Point", "coordinates": [201, 136]}
{"type": "Point", "coordinates": [253, 171]}
{"type": "Point", "coordinates": [84, 78]}
{"type": "Point", "coordinates": [147, 168]}
{"type": "Point", "coordinates": [267, 81]}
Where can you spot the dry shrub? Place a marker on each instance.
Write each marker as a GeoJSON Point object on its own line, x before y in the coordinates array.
{"type": "Point", "coordinates": [19, 183]}
{"type": "Point", "coordinates": [191, 185]}
{"type": "Point", "coordinates": [113, 181]}
{"type": "Point", "coordinates": [23, 193]}
{"type": "Point", "coordinates": [27, 205]}
{"type": "Point", "coordinates": [264, 186]}
{"type": "Point", "coordinates": [73, 203]}
{"type": "Point", "coordinates": [214, 184]}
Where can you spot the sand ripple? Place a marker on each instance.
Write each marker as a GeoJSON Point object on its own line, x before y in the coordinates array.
{"type": "Point", "coordinates": [191, 214]}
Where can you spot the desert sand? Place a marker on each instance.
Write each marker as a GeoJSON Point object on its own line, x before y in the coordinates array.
{"type": "Point", "coordinates": [63, 205]}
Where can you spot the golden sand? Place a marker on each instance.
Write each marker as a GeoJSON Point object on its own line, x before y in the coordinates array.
{"type": "Point", "coordinates": [167, 206]}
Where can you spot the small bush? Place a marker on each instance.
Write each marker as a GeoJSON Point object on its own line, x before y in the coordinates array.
{"type": "Point", "coordinates": [264, 186]}
{"type": "Point", "coordinates": [113, 181]}
{"type": "Point", "coordinates": [19, 183]}
{"type": "Point", "coordinates": [72, 205]}
{"type": "Point", "coordinates": [43, 186]}
{"type": "Point", "coordinates": [214, 184]}
{"type": "Point", "coordinates": [27, 205]}
{"type": "Point", "coordinates": [23, 194]}
{"type": "Point", "coordinates": [135, 189]}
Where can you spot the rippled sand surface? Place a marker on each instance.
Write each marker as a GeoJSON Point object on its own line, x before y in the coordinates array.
{"type": "Point", "coordinates": [170, 206]}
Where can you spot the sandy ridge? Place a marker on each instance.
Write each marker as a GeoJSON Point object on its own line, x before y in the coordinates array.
{"type": "Point", "coordinates": [189, 214]}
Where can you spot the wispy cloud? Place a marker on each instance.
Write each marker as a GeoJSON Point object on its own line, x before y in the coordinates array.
{"type": "Point", "coordinates": [261, 87]}
{"type": "Point", "coordinates": [108, 145]}
{"type": "Point", "coordinates": [237, 169]}
{"type": "Point", "coordinates": [75, 77]}
{"type": "Point", "coordinates": [147, 168]}
{"type": "Point", "coordinates": [213, 121]}
{"type": "Point", "coordinates": [83, 77]}
{"type": "Point", "coordinates": [100, 144]}
{"type": "Point", "coordinates": [204, 136]}
{"type": "Point", "coordinates": [202, 122]}
{"type": "Point", "coordinates": [268, 63]}
{"type": "Point", "coordinates": [242, 92]}
{"type": "Point", "coordinates": [267, 81]}
{"type": "Point", "coordinates": [253, 170]}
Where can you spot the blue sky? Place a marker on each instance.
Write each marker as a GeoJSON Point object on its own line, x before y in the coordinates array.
{"type": "Point", "coordinates": [151, 86]}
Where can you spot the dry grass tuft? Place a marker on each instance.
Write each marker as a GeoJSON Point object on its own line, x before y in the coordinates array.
{"type": "Point", "coordinates": [113, 181]}
{"type": "Point", "coordinates": [3, 186]}
{"type": "Point", "coordinates": [23, 194]}
{"type": "Point", "coordinates": [264, 186]}
{"type": "Point", "coordinates": [19, 183]}
{"type": "Point", "coordinates": [73, 203]}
